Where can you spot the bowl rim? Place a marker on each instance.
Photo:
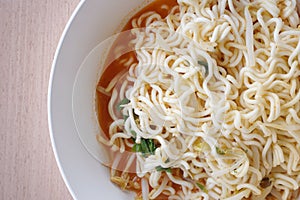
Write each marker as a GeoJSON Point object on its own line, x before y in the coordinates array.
{"type": "Point", "coordinates": [49, 95]}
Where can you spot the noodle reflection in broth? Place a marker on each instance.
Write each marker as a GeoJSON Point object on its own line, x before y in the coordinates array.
{"type": "Point", "coordinates": [210, 101]}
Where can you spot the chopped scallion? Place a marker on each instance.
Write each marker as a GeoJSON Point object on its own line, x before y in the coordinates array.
{"type": "Point", "coordinates": [160, 168]}
{"type": "Point", "coordinates": [220, 151]}
{"type": "Point", "coordinates": [204, 64]}
{"type": "Point", "coordinates": [133, 133]}
{"type": "Point", "coordinates": [125, 117]}
{"type": "Point", "coordinates": [136, 147]}
{"type": "Point", "coordinates": [146, 147]}
{"type": "Point", "coordinates": [151, 146]}
{"type": "Point", "coordinates": [202, 187]}
{"type": "Point", "coordinates": [122, 103]}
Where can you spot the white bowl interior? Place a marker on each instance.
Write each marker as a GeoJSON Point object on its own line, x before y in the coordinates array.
{"type": "Point", "coordinates": [92, 22]}
{"type": "Point", "coordinates": [83, 101]}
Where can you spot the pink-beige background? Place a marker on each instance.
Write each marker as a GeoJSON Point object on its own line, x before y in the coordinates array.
{"type": "Point", "coordinates": [29, 34]}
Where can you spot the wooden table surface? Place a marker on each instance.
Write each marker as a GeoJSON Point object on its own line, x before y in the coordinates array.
{"type": "Point", "coordinates": [29, 33]}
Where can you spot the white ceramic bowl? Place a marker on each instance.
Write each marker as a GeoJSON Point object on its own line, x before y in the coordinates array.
{"type": "Point", "coordinates": [92, 22]}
